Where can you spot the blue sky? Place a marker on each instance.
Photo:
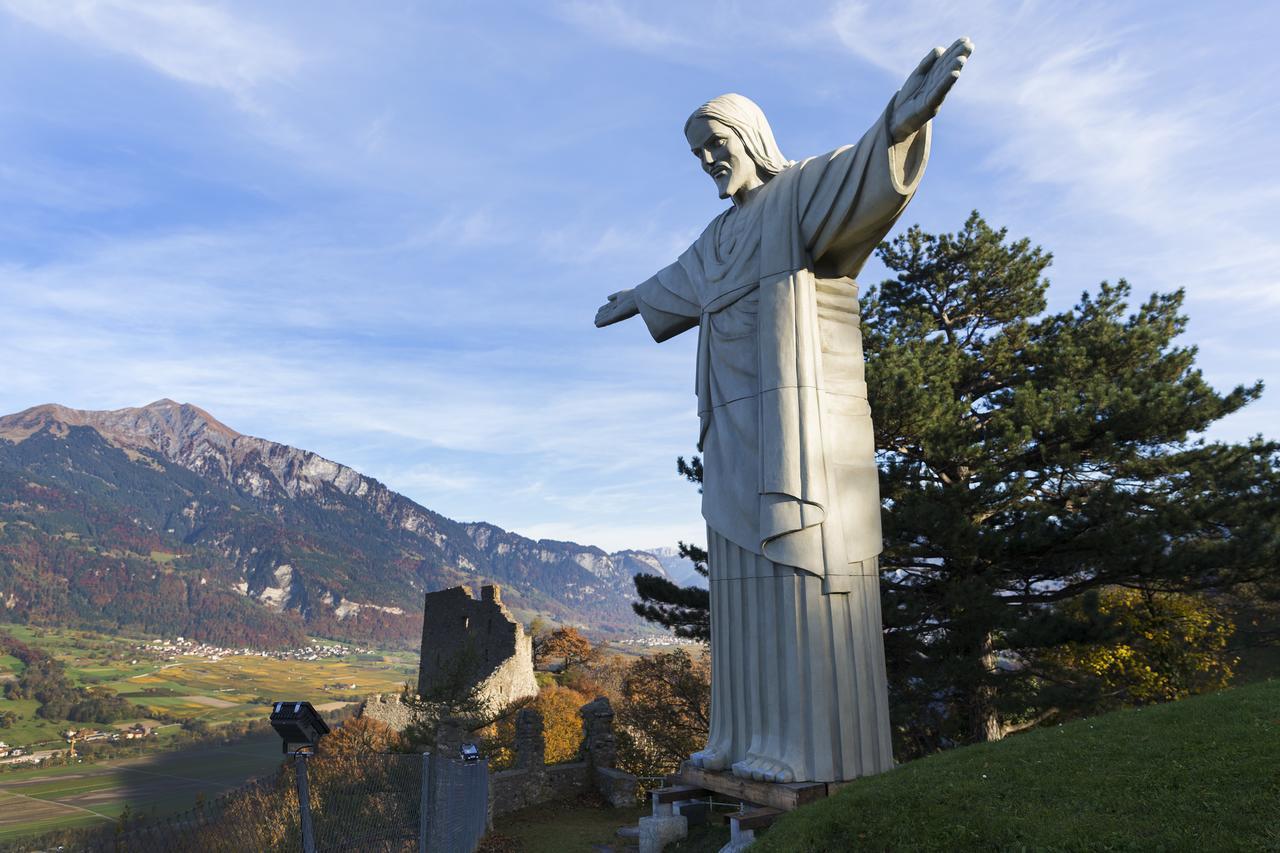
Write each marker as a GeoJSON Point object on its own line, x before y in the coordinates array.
{"type": "Point", "coordinates": [380, 231]}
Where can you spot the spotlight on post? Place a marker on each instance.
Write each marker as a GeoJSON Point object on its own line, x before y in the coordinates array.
{"type": "Point", "coordinates": [298, 723]}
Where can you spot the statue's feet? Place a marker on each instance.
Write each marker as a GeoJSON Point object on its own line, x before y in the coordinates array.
{"type": "Point", "coordinates": [763, 769]}
{"type": "Point", "coordinates": [710, 759]}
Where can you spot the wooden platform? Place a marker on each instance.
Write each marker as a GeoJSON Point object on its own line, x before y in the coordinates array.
{"type": "Point", "coordinates": [676, 793]}
{"type": "Point", "coordinates": [783, 796]}
{"type": "Point", "coordinates": [760, 818]}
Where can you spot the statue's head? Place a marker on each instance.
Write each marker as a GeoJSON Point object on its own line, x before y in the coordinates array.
{"type": "Point", "coordinates": [733, 140]}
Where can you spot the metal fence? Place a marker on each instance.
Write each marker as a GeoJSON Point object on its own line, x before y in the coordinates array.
{"type": "Point", "coordinates": [455, 804]}
{"type": "Point", "coordinates": [378, 802]}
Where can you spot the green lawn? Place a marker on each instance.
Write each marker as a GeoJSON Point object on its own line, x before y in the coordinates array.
{"type": "Point", "coordinates": [1199, 774]}
{"type": "Point", "coordinates": [566, 826]}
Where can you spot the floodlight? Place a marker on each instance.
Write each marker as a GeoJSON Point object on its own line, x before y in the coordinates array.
{"type": "Point", "coordinates": [299, 723]}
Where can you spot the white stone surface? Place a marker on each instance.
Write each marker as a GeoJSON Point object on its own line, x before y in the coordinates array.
{"type": "Point", "coordinates": [790, 491]}
{"type": "Point", "coordinates": [657, 831]}
{"type": "Point", "coordinates": [739, 839]}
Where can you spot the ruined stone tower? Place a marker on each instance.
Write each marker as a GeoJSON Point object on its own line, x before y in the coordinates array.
{"type": "Point", "coordinates": [467, 642]}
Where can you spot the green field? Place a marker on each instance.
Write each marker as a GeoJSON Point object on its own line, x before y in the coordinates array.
{"type": "Point", "coordinates": [230, 689]}
{"type": "Point", "coordinates": [34, 801]}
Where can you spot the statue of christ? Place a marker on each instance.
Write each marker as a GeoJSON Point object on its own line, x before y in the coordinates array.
{"type": "Point", "coordinates": [790, 493]}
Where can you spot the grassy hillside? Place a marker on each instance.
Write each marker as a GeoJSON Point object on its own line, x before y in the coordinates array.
{"type": "Point", "coordinates": [1200, 774]}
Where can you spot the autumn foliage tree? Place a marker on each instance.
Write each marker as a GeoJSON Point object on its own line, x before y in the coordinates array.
{"type": "Point", "coordinates": [360, 736]}
{"type": "Point", "coordinates": [561, 728]}
{"type": "Point", "coordinates": [1153, 647]}
{"type": "Point", "coordinates": [561, 725]}
{"type": "Point", "coordinates": [566, 644]}
{"type": "Point", "coordinates": [664, 713]}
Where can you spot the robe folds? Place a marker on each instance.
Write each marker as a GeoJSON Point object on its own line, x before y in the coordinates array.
{"type": "Point", "coordinates": [785, 428]}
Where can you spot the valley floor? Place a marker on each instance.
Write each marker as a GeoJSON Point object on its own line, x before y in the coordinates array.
{"type": "Point", "coordinates": [175, 689]}
{"type": "Point", "coordinates": [34, 801]}
{"type": "Point", "coordinates": [216, 689]}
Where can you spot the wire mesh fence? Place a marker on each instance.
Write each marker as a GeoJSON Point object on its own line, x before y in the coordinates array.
{"type": "Point", "coordinates": [378, 802]}
{"type": "Point", "coordinates": [364, 802]}
{"type": "Point", "coordinates": [457, 809]}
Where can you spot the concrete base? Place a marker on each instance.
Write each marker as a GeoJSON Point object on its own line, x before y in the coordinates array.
{"type": "Point", "coordinates": [739, 839]}
{"type": "Point", "coordinates": [658, 831]}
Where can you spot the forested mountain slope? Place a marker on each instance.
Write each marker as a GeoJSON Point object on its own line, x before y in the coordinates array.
{"type": "Point", "coordinates": [165, 520]}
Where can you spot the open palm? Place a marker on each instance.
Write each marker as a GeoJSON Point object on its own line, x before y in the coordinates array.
{"type": "Point", "coordinates": [920, 97]}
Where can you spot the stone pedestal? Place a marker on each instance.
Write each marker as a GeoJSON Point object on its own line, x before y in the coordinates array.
{"type": "Point", "coordinates": [739, 839]}
{"type": "Point", "coordinates": [661, 828]}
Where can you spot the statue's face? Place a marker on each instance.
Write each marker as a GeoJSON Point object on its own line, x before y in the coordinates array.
{"type": "Point", "coordinates": [723, 156]}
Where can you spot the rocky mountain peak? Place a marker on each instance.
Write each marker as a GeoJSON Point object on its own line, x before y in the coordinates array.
{"type": "Point", "coordinates": [193, 438]}
{"type": "Point", "coordinates": [163, 426]}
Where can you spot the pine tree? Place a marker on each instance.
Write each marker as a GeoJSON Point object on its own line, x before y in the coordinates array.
{"type": "Point", "coordinates": [685, 611]}
{"type": "Point", "coordinates": [1031, 459]}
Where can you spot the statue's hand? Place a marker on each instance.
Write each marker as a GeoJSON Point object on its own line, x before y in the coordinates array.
{"type": "Point", "coordinates": [920, 97]}
{"type": "Point", "coordinates": [620, 306]}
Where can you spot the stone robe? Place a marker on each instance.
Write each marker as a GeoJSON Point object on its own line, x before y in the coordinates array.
{"type": "Point", "coordinates": [790, 492]}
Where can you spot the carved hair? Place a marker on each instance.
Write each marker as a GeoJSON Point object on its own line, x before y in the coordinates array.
{"type": "Point", "coordinates": [748, 122]}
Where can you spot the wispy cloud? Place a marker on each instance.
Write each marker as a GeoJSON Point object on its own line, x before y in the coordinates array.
{"type": "Point", "coordinates": [623, 23]}
{"type": "Point", "coordinates": [1127, 127]}
{"type": "Point", "coordinates": [195, 43]}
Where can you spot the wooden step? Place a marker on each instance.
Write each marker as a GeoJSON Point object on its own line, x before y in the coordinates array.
{"type": "Point", "coordinates": [675, 793]}
{"type": "Point", "coordinates": [755, 818]}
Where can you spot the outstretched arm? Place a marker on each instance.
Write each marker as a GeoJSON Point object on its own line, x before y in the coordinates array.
{"type": "Point", "coordinates": [621, 306]}
{"type": "Point", "coordinates": [851, 197]}
{"type": "Point", "coordinates": [666, 302]}
{"type": "Point", "coordinates": [920, 97]}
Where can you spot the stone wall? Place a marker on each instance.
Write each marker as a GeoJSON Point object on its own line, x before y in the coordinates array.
{"type": "Point", "coordinates": [467, 642]}
{"type": "Point", "coordinates": [531, 780]}
{"type": "Point", "coordinates": [387, 708]}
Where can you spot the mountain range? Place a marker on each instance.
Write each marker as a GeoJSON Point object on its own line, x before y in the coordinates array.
{"type": "Point", "coordinates": [162, 519]}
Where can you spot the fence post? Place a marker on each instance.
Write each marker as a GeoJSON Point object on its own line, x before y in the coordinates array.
{"type": "Point", "coordinates": [304, 803]}
{"type": "Point", "coordinates": [424, 806]}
